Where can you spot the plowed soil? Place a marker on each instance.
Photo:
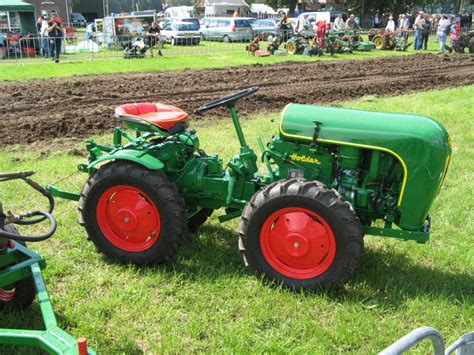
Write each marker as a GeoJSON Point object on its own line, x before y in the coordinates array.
{"type": "Point", "coordinates": [40, 110]}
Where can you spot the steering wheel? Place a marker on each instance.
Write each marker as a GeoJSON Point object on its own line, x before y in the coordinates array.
{"type": "Point", "coordinates": [228, 101]}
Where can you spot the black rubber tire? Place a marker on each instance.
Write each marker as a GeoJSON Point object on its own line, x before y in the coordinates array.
{"type": "Point", "coordinates": [314, 196]}
{"type": "Point", "coordinates": [25, 291]}
{"type": "Point", "coordinates": [165, 196]}
{"type": "Point", "coordinates": [471, 45]}
{"type": "Point", "coordinates": [199, 219]}
{"type": "Point", "coordinates": [226, 39]}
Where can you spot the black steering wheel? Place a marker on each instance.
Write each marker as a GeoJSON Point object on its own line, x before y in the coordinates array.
{"type": "Point", "coordinates": [228, 101]}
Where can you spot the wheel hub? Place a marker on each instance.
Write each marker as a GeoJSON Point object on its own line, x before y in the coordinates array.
{"type": "Point", "coordinates": [128, 218]}
{"type": "Point", "coordinates": [298, 243]}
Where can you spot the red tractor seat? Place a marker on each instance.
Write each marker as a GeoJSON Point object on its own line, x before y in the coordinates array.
{"type": "Point", "coordinates": [163, 116]}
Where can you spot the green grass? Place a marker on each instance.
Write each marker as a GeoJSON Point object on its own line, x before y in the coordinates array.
{"type": "Point", "coordinates": [82, 64]}
{"type": "Point", "coordinates": [205, 301]}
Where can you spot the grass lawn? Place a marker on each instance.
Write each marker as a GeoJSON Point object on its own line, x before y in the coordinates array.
{"type": "Point", "coordinates": [175, 58]}
{"type": "Point", "coordinates": [205, 301]}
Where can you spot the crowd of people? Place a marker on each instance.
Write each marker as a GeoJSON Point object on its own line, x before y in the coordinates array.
{"type": "Point", "coordinates": [423, 24]}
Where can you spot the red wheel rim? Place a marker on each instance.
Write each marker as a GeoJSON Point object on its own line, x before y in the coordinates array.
{"type": "Point", "coordinates": [128, 218]}
{"type": "Point", "coordinates": [298, 243]}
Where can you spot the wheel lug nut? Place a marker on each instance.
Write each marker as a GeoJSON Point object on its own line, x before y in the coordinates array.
{"type": "Point", "coordinates": [296, 245]}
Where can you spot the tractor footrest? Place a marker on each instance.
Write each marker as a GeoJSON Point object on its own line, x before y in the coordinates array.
{"type": "Point", "coordinates": [418, 236]}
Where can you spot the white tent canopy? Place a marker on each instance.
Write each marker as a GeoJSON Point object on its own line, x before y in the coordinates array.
{"type": "Point", "coordinates": [262, 9]}
{"type": "Point", "coordinates": [226, 8]}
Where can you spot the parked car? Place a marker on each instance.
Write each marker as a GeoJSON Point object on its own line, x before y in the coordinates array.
{"type": "Point", "coordinates": [78, 19]}
{"type": "Point", "coordinates": [226, 29]}
{"type": "Point", "coordinates": [187, 19]}
{"type": "Point", "coordinates": [267, 26]}
{"type": "Point", "coordinates": [185, 33]}
{"type": "Point", "coordinates": [251, 20]}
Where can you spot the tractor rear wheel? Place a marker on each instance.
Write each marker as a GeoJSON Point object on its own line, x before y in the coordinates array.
{"type": "Point", "coordinates": [291, 47]}
{"type": "Point", "coordinates": [133, 214]}
{"type": "Point", "coordinates": [379, 42]}
{"type": "Point", "coordinates": [22, 293]}
{"type": "Point", "coordinates": [300, 233]}
{"type": "Point", "coordinates": [471, 45]}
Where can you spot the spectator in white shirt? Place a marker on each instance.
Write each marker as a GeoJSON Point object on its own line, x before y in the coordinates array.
{"type": "Point", "coordinates": [390, 25]}
{"type": "Point", "coordinates": [44, 36]}
{"type": "Point", "coordinates": [338, 23]}
{"type": "Point", "coordinates": [443, 28]}
{"type": "Point", "coordinates": [418, 25]}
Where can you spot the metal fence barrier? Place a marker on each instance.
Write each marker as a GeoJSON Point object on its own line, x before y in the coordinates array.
{"type": "Point", "coordinates": [81, 46]}
{"type": "Point", "coordinates": [463, 346]}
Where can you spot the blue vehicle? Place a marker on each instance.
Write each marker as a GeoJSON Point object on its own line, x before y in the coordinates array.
{"type": "Point", "coordinates": [78, 19]}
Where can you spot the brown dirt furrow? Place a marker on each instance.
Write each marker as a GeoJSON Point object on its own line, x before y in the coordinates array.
{"type": "Point", "coordinates": [40, 110]}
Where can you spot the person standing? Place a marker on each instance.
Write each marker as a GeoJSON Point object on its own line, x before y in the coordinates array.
{"type": "Point", "coordinates": [55, 30]}
{"type": "Point", "coordinates": [284, 27]}
{"type": "Point", "coordinates": [425, 32]}
{"type": "Point", "coordinates": [338, 23]}
{"type": "Point", "coordinates": [454, 32]}
{"type": "Point", "coordinates": [153, 36]}
{"type": "Point", "coordinates": [44, 34]}
{"type": "Point", "coordinates": [390, 25]}
{"type": "Point", "coordinates": [351, 23]}
{"type": "Point", "coordinates": [90, 32]}
{"type": "Point", "coordinates": [321, 32]}
{"type": "Point", "coordinates": [377, 21]}
{"type": "Point", "coordinates": [418, 26]}
{"type": "Point", "coordinates": [442, 32]}
{"type": "Point", "coordinates": [403, 26]}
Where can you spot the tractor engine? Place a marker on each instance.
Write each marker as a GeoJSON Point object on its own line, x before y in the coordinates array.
{"type": "Point", "coordinates": [387, 166]}
{"type": "Point", "coordinates": [369, 180]}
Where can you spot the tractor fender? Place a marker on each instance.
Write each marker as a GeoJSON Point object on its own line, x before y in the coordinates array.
{"type": "Point", "coordinates": [146, 160]}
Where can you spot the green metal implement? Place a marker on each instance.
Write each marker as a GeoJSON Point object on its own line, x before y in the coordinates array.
{"type": "Point", "coordinates": [18, 263]}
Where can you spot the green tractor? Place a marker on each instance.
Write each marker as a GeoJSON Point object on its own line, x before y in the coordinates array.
{"type": "Point", "coordinates": [331, 173]}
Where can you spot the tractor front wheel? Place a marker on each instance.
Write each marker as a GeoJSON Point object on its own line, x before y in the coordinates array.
{"type": "Point", "coordinates": [132, 214]}
{"type": "Point", "coordinates": [300, 233]}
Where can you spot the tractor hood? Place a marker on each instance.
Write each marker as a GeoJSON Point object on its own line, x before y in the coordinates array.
{"type": "Point", "coordinates": [421, 145]}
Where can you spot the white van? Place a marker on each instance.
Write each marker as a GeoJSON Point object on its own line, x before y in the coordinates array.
{"type": "Point", "coordinates": [309, 18]}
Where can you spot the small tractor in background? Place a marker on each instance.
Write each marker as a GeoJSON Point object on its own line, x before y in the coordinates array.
{"type": "Point", "coordinates": [387, 40]}
{"type": "Point", "coordinates": [465, 41]}
{"type": "Point", "coordinates": [21, 280]}
{"type": "Point", "coordinates": [300, 41]}
{"type": "Point", "coordinates": [331, 173]}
